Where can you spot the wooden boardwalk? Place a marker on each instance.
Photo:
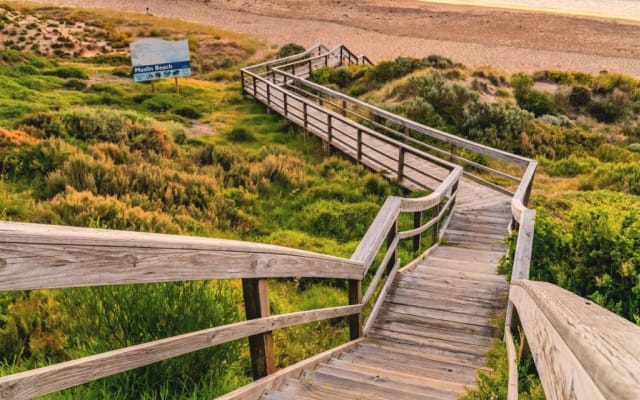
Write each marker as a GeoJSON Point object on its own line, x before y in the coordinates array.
{"type": "Point", "coordinates": [437, 321]}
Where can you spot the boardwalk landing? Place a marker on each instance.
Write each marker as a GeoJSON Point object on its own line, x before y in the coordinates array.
{"type": "Point", "coordinates": [436, 325]}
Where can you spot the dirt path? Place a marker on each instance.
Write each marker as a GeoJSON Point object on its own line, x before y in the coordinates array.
{"type": "Point", "coordinates": [507, 39]}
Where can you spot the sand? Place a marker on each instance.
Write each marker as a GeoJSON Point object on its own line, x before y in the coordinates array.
{"type": "Point", "coordinates": [513, 40]}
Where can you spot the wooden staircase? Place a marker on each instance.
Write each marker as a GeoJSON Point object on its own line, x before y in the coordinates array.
{"type": "Point", "coordinates": [437, 322]}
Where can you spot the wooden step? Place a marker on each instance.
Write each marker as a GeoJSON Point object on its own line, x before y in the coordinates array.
{"type": "Point", "coordinates": [479, 330]}
{"type": "Point", "coordinates": [457, 276]}
{"type": "Point", "coordinates": [400, 380]}
{"type": "Point", "coordinates": [450, 290]}
{"type": "Point", "coordinates": [420, 295]}
{"type": "Point", "coordinates": [426, 331]}
{"type": "Point", "coordinates": [355, 387]}
{"type": "Point", "coordinates": [491, 290]}
{"type": "Point", "coordinates": [319, 392]}
{"type": "Point", "coordinates": [430, 267]}
{"type": "Point", "coordinates": [454, 253]}
{"type": "Point", "coordinates": [443, 304]}
{"type": "Point", "coordinates": [458, 265]}
{"type": "Point", "coordinates": [412, 336]}
{"type": "Point", "coordinates": [462, 354]}
{"type": "Point", "coordinates": [401, 362]}
{"type": "Point", "coordinates": [277, 395]}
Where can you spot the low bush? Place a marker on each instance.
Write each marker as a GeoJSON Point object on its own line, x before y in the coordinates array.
{"type": "Point", "coordinates": [607, 111]}
{"type": "Point", "coordinates": [290, 49]}
{"type": "Point", "coordinates": [68, 72]}
{"type": "Point", "coordinates": [571, 166]}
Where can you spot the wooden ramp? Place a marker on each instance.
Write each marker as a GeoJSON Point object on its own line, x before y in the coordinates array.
{"type": "Point", "coordinates": [435, 327]}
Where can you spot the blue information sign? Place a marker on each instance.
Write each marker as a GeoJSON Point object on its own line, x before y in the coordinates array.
{"type": "Point", "coordinates": [154, 59]}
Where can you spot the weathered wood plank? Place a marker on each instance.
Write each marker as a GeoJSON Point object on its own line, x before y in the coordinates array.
{"type": "Point", "coordinates": [405, 380]}
{"type": "Point", "coordinates": [402, 362]}
{"type": "Point", "coordinates": [512, 388]}
{"type": "Point", "coordinates": [433, 347]}
{"type": "Point", "coordinates": [524, 247]}
{"type": "Point", "coordinates": [256, 305]}
{"type": "Point", "coordinates": [358, 386]}
{"type": "Point", "coordinates": [597, 346]}
{"type": "Point", "coordinates": [38, 382]}
{"type": "Point", "coordinates": [276, 395]}
{"type": "Point", "coordinates": [448, 289]}
{"type": "Point", "coordinates": [443, 304]}
{"type": "Point", "coordinates": [432, 332]}
{"type": "Point", "coordinates": [45, 256]}
{"type": "Point", "coordinates": [377, 232]}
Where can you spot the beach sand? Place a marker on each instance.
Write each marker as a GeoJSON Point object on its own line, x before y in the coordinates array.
{"type": "Point", "coordinates": [513, 40]}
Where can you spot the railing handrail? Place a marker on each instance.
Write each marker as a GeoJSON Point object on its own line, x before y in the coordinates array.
{"type": "Point", "coordinates": [580, 349]}
{"type": "Point", "coordinates": [110, 257]}
{"type": "Point", "coordinates": [432, 132]}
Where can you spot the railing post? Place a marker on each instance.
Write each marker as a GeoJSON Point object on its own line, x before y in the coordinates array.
{"type": "Point", "coordinates": [359, 153]}
{"type": "Point", "coordinates": [326, 60]}
{"type": "Point", "coordinates": [527, 194]}
{"type": "Point", "coordinates": [329, 131]}
{"type": "Point", "coordinates": [242, 81]}
{"type": "Point", "coordinates": [256, 305]}
{"type": "Point", "coordinates": [355, 297]}
{"type": "Point", "coordinates": [285, 103]}
{"type": "Point", "coordinates": [341, 55]}
{"type": "Point", "coordinates": [304, 116]}
{"type": "Point", "coordinates": [390, 238]}
{"type": "Point", "coordinates": [293, 69]}
{"type": "Point", "coordinates": [268, 97]}
{"type": "Point", "coordinates": [436, 226]}
{"type": "Point", "coordinates": [310, 70]}
{"type": "Point", "coordinates": [417, 223]}
{"type": "Point", "coordinates": [401, 164]}
{"type": "Point", "coordinates": [255, 87]}
{"type": "Point", "coordinates": [452, 156]}
{"type": "Point", "coordinates": [344, 108]}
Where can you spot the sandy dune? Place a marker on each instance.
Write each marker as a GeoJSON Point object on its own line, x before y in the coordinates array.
{"type": "Point", "coordinates": [507, 39]}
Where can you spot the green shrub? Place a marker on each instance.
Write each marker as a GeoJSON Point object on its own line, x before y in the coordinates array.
{"type": "Point", "coordinates": [615, 177]}
{"type": "Point", "coordinates": [68, 72]}
{"type": "Point", "coordinates": [74, 84]}
{"type": "Point", "coordinates": [290, 49]}
{"type": "Point", "coordinates": [580, 96]}
{"type": "Point", "coordinates": [188, 112]}
{"type": "Point", "coordinates": [337, 220]}
{"type": "Point", "coordinates": [574, 165]}
{"type": "Point", "coordinates": [439, 62]}
{"type": "Point", "coordinates": [539, 103]}
{"type": "Point", "coordinates": [122, 72]}
{"type": "Point", "coordinates": [241, 135]}
{"type": "Point", "coordinates": [609, 153]}
{"type": "Point", "coordinates": [606, 111]}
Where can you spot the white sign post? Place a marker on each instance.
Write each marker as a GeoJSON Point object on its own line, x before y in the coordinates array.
{"type": "Point", "coordinates": [154, 59]}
